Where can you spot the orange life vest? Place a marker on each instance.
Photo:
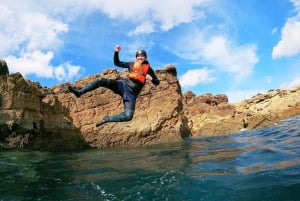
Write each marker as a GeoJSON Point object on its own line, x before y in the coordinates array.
{"type": "Point", "coordinates": [138, 72]}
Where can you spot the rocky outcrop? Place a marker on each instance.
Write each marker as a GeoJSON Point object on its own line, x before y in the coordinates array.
{"type": "Point", "coordinates": [54, 119]}
{"type": "Point", "coordinates": [158, 118]}
{"type": "Point", "coordinates": [3, 68]}
{"type": "Point", "coordinates": [210, 115]}
{"type": "Point", "coordinates": [32, 117]}
{"type": "Point", "coordinates": [40, 118]}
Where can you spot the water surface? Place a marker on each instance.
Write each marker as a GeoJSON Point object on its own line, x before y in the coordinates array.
{"type": "Point", "coordinates": [256, 165]}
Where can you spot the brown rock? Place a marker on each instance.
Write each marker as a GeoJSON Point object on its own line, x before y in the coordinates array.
{"type": "Point", "coordinates": [208, 114]}
{"type": "Point", "coordinates": [158, 117]}
{"type": "Point", "coordinates": [26, 121]}
{"type": "Point", "coordinates": [37, 117]}
{"type": "Point", "coordinates": [212, 115]}
{"type": "Point", "coordinates": [54, 119]}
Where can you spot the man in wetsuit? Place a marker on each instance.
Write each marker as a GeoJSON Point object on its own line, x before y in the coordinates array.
{"type": "Point", "coordinates": [128, 88]}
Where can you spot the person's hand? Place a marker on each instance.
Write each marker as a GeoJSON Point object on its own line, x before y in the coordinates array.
{"type": "Point", "coordinates": [148, 77]}
{"type": "Point", "coordinates": [117, 48]}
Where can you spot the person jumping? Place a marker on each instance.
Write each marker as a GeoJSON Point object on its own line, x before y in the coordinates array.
{"type": "Point", "coordinates": [128, 88]}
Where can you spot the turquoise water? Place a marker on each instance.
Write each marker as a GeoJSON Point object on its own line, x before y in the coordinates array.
{"type": "Point", "coordinates": [254, 165]}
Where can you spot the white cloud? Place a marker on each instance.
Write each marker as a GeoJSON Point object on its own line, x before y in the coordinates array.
{"type": "Point", "coordinates": [167, 14]}
{"type": "Point", "coordinates": [289, 44]}
{"type": "Point", "coordinates": [66, 72]}
{"type": "Point", "coordinates": [292, 84]}
{"type": "Point", "coordinates": [218, 51]}
{"type": "Point", "coordinates": [194, 77]}
{"type": "Point", "coordinates": [170, 13]}
{"type": "Point", "coordinates": [41, 32]}
{"type": "Point", "coordinates": [37, 63]}
{"type": "Point", "coordinates": [296, 5]}
{"type": "Point", "coordinates": [146, 27]}
{"type": "Point", "coordinates": [33, 27]}
{"type": "Point", "coordinates": [30, 38]}
{"type": "Point", "coordinates": [28, 30]}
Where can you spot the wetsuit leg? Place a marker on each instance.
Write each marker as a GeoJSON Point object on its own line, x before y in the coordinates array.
{"type": "Point", "coordinates": [101, 82]}
{"type": "Point", "coordinates": [127, 115]}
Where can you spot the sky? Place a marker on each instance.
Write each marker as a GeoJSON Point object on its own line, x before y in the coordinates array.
{"type": "Point", "coordinates": [237, 48]}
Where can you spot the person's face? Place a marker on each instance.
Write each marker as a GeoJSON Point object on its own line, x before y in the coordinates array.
{"type": "Point", "coordinates": [141, 58]}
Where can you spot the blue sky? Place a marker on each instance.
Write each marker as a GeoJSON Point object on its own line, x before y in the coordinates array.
{"type": "Point", "coordinates": [237, 48]}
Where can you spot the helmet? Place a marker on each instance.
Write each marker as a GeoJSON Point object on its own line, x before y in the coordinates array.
{"type": "Point", "coordinates": [142, 52]}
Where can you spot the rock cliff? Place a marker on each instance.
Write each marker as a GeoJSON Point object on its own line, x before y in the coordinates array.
{"type": "Point", "coordinates": [54, 119]}
{"type": "Point", "coordinates": [212, 115]}
{"type": "Point", "coordinates": [40, 118]}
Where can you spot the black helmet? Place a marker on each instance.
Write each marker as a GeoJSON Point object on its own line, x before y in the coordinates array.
{"type": "Point", "coordinates": [142, 52]}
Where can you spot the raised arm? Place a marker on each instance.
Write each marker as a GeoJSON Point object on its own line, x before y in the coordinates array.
{"type": "Point", "coordinates": [117, 61]}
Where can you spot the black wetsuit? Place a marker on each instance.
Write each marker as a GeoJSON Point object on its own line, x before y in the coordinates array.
{"type": "Point", "coordinates": [127, 88]}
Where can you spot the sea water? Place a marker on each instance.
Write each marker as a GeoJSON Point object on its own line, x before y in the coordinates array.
{"type": "Point", "coordinates": [258, 165]}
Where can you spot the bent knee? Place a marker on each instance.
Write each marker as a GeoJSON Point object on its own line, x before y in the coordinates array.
{"type": "Point", "coordinates": [128, 115]}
